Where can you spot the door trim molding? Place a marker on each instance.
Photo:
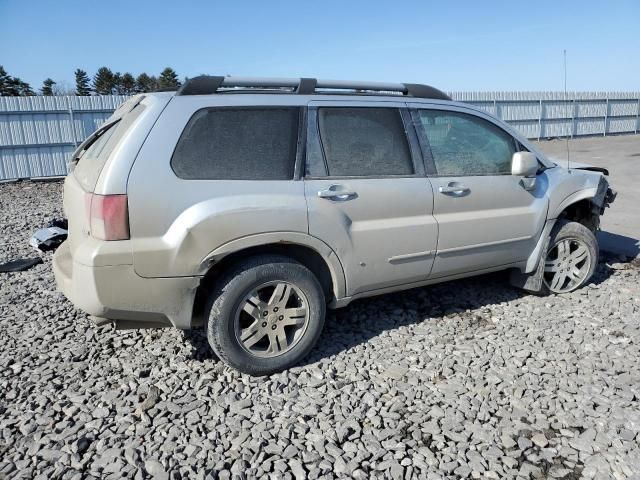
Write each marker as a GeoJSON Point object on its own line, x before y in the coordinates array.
{"type": "Point", "coordinates": [486, 244]}
{"type": "Point", "coordinates": [409, 257]}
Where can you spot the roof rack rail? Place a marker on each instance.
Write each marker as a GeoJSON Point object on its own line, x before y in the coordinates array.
{"type": "Point", "coordinates": [210, 84]}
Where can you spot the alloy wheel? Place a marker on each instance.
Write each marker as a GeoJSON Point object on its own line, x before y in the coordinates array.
{"type": "Point", "coordinates": [271, 319]}
{"type": "Point", "coordinates": [567, 265]}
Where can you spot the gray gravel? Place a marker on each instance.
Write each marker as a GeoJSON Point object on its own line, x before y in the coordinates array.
{"type": "Point", "coordinates": [469, 379]}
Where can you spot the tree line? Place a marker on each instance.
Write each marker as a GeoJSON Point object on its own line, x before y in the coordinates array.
{"type": "Point", "coordinates": [104, 82]}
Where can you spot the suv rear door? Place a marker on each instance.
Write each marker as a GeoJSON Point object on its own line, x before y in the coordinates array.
{"type": "Point", "coordinates": [486, 218]}
{"type": "Point", "coordinates": [366, 193]}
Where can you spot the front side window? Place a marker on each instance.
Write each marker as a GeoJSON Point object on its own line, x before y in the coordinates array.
{"type": "Point", "coordinates": [463, 144]}
{"type": "Point", "coordinates": [364, 141]}
{"type": "Point", "coordinates": [238, 144]}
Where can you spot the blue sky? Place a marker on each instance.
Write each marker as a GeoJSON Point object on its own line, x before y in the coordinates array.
{"type": "Point", "coordinates": [454, 45]}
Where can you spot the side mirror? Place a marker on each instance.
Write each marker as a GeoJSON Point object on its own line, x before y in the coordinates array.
{"type": "Point", "coordinates": [524, 164]}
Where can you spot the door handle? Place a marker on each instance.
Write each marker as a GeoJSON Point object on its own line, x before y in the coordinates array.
{"type": "Point", "coordinates": [454, 188]}
{"type": "Point", "coordinates": [337, 193]}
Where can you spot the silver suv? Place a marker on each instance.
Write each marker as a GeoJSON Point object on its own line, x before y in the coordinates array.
{"type": "Point", "coordinates": [249, 206]}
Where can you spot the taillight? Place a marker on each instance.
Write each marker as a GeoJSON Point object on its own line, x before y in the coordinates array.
{"type": "Point", "coordinates": [108, 216]}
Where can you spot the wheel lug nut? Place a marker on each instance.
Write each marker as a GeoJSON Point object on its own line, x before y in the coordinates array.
{"type": "Point", "coordinates": [275, 309]}
{"type": "Point", "coordinates": [273, 327]}
{"type": "Point", "coordinates": [264, 324]}
{"type": "Point", "coordinates": [281, 317]}
{"type": "Point", "coordinates": [265, 313]}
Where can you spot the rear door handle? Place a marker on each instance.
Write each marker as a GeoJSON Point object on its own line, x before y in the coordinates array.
{"type": "Point", "coordinates": [454, 188]}
{"type": "Point", "coordinates": [337, 193]}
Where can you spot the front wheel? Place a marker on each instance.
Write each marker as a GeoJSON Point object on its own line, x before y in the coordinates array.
{"type": "Point", "coordinates": [265, 315]}
{"type": "Point", "coordinates": [571, 258]}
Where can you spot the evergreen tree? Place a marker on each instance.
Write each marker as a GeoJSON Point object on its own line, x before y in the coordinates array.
{"type": "Point", "coordinates": [4, 82]}
{"type": "Point", "coordinates": [47, 87]}
{"type": "Point", "coordinates": [145, 83]}
{"type": "Point", "coordinates": [19, 88]}
{"type": "Point", "coordinates": [13, 86]}
{"type": "Point", "coordinates": [104, 82]}
{"type": "Point", "coordinates": [168, 79]}
{"type": "Point", "coordinates": [117, 78]}
{"type": "Point", "coordinates": [24, 89]}
{"type": "Point", "coordinates": [127, 84]}
{"type": "Point", "coordinates": [82, 83]}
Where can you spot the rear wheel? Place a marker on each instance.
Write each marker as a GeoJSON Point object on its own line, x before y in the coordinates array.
{"type": "Point", "coordinates": [571, 258]}
{"type": "Point", "coordinates": [265, 315]}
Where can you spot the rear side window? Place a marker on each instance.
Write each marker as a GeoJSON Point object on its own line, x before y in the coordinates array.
{"type": "Point", "coordinates": [92, 160]}
{"type": "Point", "coordinates": [238, 144]}
{"type": "Point", "coordinates": [463, 144]}
{"type": "Point", "coordinates": [364, 141]}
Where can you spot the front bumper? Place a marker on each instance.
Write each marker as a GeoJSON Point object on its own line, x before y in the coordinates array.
{"type": "Point", "coordinates": [117, 293]}
{"type": "Point", "coordinates": [604, 196]}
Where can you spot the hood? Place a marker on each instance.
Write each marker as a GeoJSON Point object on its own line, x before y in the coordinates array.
{"type": "Point", "coordinates": [562, 162]}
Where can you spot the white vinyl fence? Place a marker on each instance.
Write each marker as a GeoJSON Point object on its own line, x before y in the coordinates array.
{"type": "Point", "coordinates": [38, 134]}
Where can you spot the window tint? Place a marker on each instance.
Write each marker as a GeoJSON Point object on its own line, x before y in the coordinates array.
{"type": "Point", "coordinates": [92, 160]}
{"type": "Point", "coordinates": [464, 144]}
{"type": "Point", "coordinates": [238, 144]}
{"type": "Point", "coordinates": [364, 141]}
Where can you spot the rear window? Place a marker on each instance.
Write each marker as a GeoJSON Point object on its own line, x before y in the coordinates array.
{"type": "Point", "coordinates": [92, 160]}
{"type": "Point", "coordinates": [238, 144]}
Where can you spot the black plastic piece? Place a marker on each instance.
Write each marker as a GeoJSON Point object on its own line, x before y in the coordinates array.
{"type": "Point", "coordinates": [307, 86]}
{"type": "Point", "coordinates": [602, 170]}
{"type": "Point", "coordinates": [425, 91]}
{"type": "Point", "coordinates": [19, 265]}
{"type": "Point", "coordinates": [59, 222]}
{"type": "Point", "coordinates": [202, 85]}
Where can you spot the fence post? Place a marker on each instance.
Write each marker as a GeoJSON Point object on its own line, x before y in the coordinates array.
{"type": "Point", "coordinates": [540, 121]}
{"type": "Point", "coordinates": [574, 127]}
{"type": "Point", "coordinates": [606, 117]}
{"type": "Point", "coordinates": [73, 123]}
{"type": "Point", "coordinates": [637, 117]}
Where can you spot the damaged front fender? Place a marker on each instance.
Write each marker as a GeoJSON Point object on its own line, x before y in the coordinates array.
{"type": "Point", "coordinates": [588, 189]}
{"type": "Point", "coordinates": [570, 187]}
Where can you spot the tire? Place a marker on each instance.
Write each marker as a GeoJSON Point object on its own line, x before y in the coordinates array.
{"type": "Point", "coordinates": [577, 266]}
{"type": "Point", "coordinates": [252, 295]}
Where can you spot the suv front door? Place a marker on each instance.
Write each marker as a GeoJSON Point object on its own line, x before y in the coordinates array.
{"type": "Point", "coordinates": [486, 218]}
{"type": "Point", "coordinates": [367, 195]}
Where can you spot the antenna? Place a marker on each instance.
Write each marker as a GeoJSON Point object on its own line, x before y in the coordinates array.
{"type": "Point", "coordinates": [566, 103]}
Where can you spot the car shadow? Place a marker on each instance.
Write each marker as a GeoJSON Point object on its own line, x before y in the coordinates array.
{"type": "Point", "coordinates": [619, 244]}
{"type": "Point", "coordinates": [367, 318]}
{"type": "Point", "coordinates": [364, 319]}
{"type": "Point", "coordinates": [467, 299]}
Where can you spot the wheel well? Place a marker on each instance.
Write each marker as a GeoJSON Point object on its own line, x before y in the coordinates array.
{"type": "Point", "coordinates": [305, 255]}
{"type": "Point", "coordinates": [583, 212]}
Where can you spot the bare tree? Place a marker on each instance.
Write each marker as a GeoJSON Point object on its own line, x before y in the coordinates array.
{"type": "Point", "coordinates": [63, 87]}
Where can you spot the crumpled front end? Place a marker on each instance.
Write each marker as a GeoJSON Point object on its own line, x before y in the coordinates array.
{"type": "Point", "coordinates": [604, 197]}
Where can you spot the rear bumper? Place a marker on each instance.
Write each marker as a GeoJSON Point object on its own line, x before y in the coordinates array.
{"type": "Point", "coordinates": [116, 292]}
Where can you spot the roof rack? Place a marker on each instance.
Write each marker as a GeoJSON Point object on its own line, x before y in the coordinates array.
{"type": "Point", "coordinates": [210, 84]}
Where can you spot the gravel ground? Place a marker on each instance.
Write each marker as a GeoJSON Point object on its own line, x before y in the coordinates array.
{"type": "Point", "coordinates": [469, 379]}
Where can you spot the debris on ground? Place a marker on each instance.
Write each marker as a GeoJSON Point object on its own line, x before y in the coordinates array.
{"type": "Point", "coordinates": [59, 222]}
{"type": "Point", "coordinates": [19, 265]}
{"type": "Point", "coordinates": [49, 238]}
